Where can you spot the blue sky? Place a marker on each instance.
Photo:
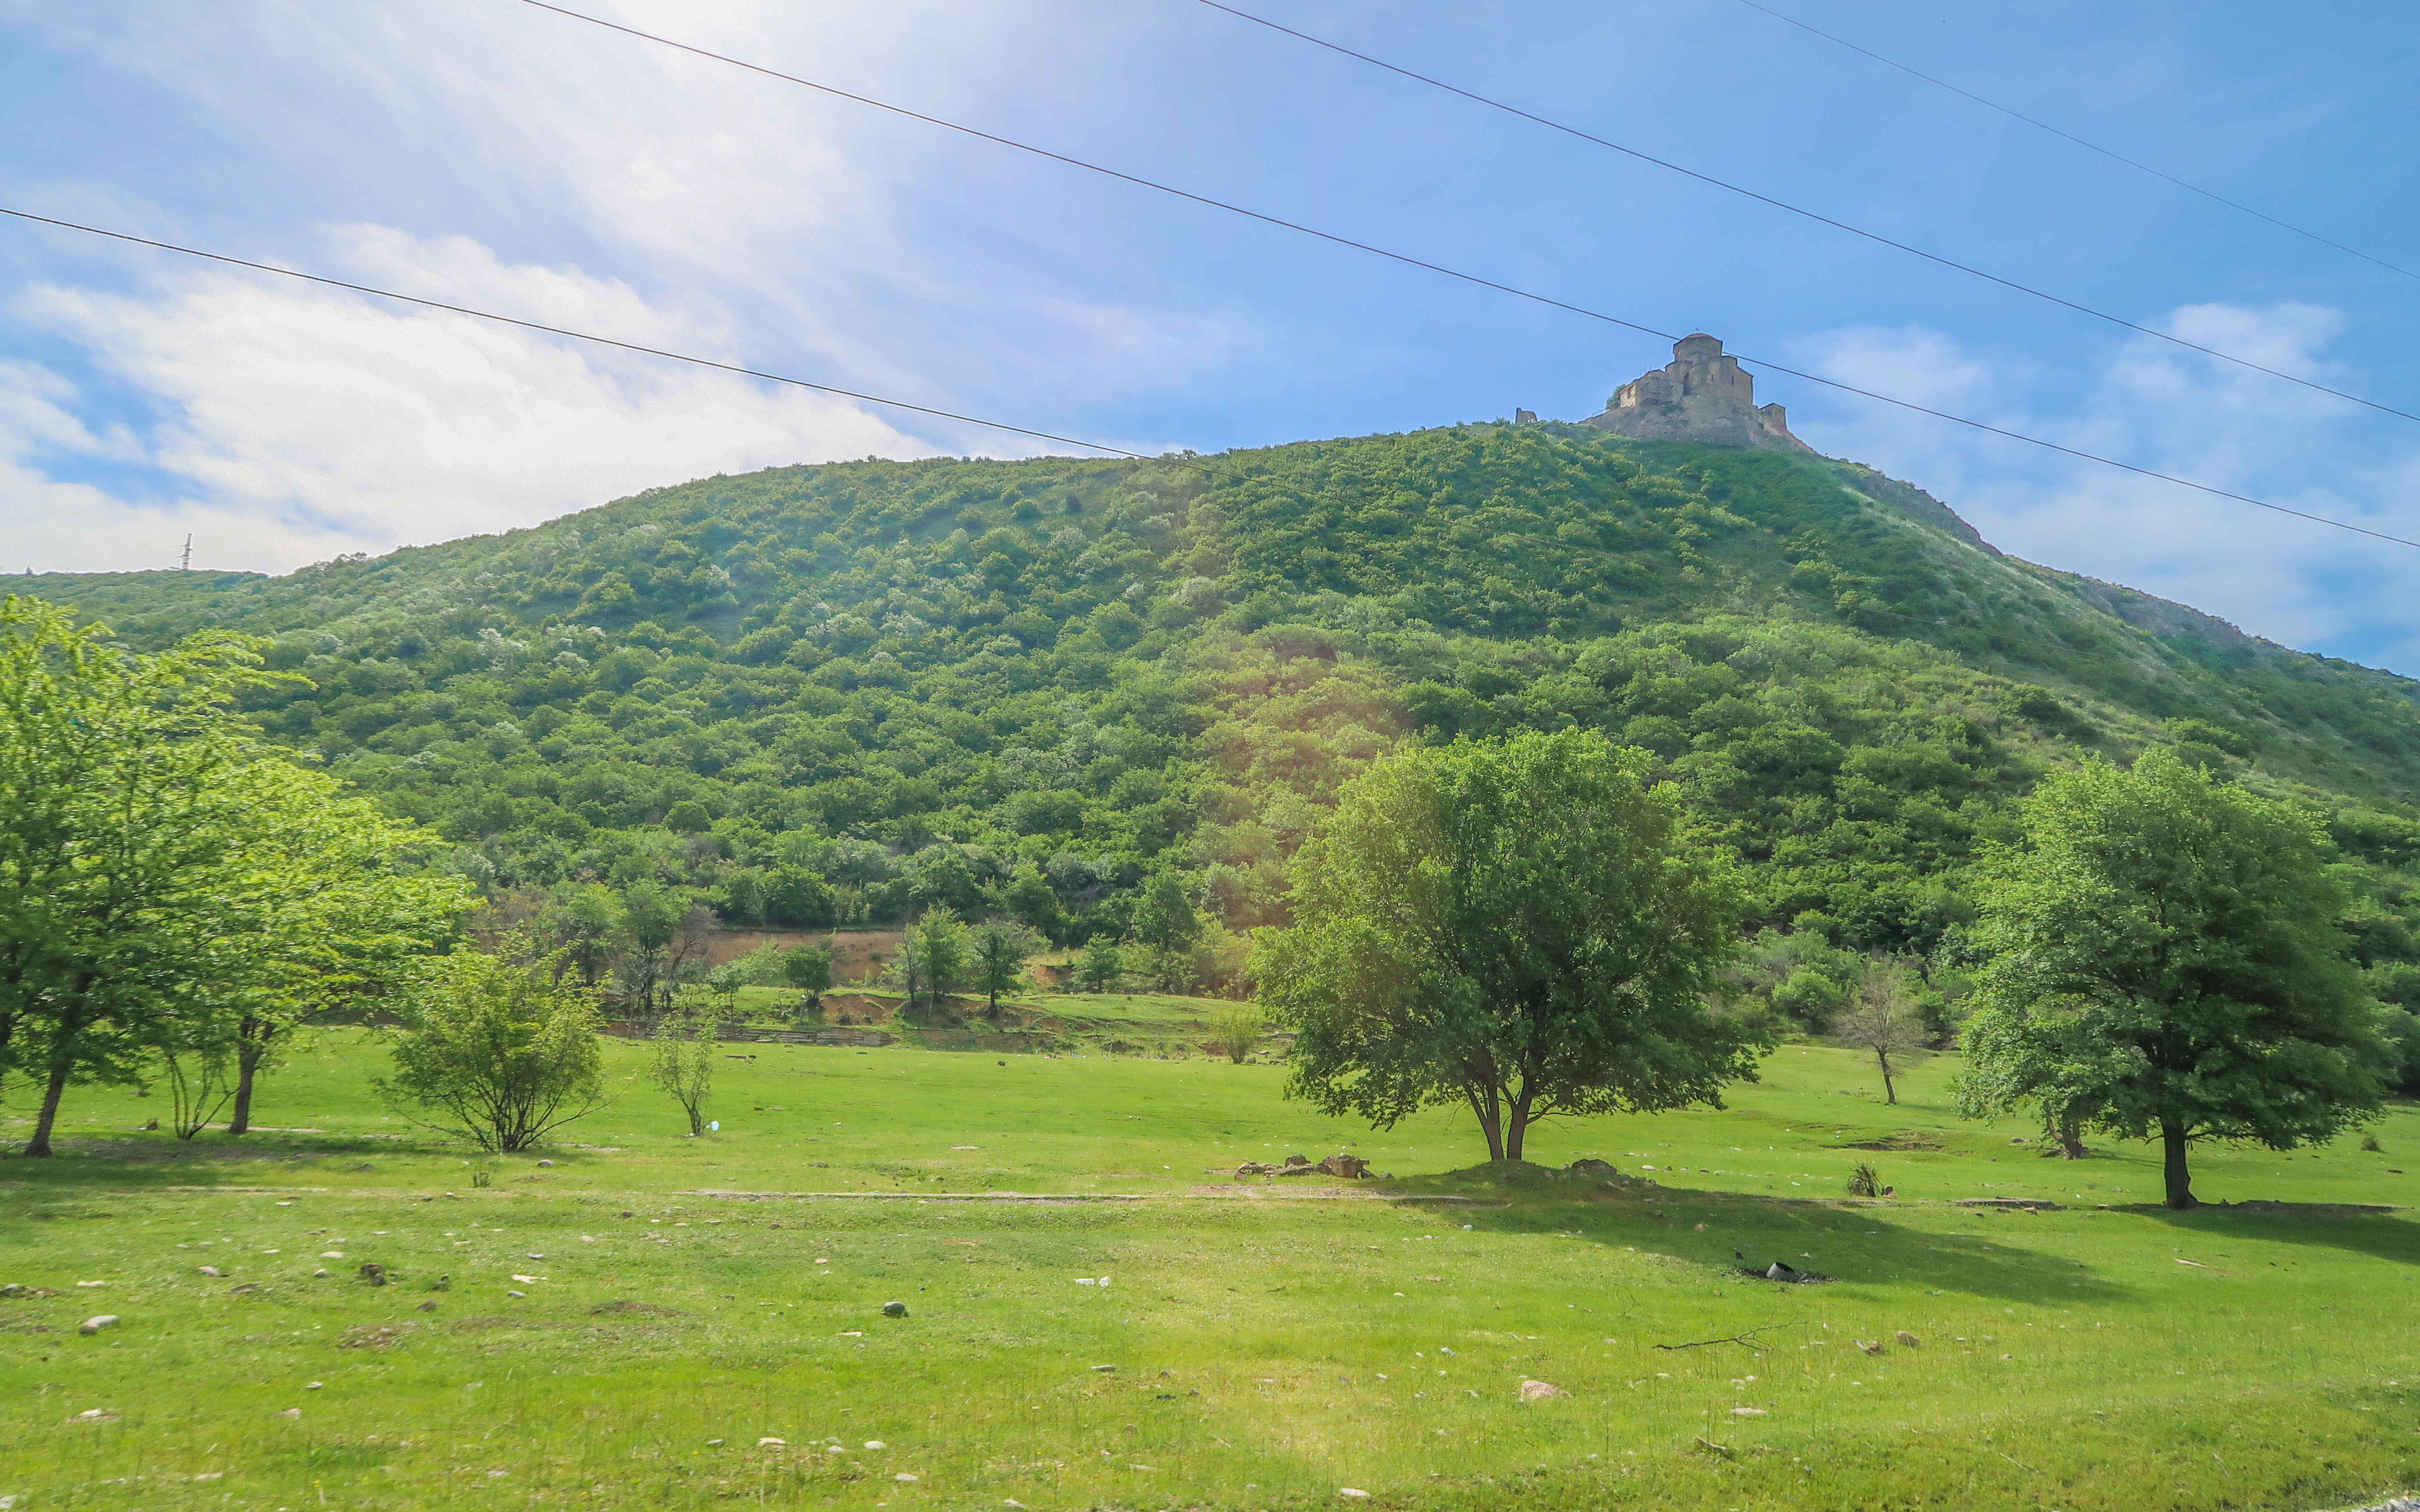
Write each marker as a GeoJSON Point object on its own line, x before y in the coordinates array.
{"type": "Point", "coordinates": [488, 152]}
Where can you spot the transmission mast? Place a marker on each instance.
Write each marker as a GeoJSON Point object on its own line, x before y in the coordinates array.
{"type": "Point", "coordinates": [187, 563]}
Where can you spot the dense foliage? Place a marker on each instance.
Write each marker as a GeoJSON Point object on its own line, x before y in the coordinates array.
{"type": "Point", "coordinates": [848, 694]}
{"type": "Point", "coordinates": [2165, 959]}
{"type": "Point", "coordinates": [171, 889]}
{"type": "Point", "coordinates": [1517, 927]}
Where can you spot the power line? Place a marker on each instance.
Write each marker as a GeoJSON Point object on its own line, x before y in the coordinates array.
{"type": "Point", "coordinates": [1875, 237]}
{"type": "Point", "coordinates": [2089, 146]}
{"type": "Point", "coordinates": [1102, 446]}
{"type": "Point", "coordinates": [575, 336]}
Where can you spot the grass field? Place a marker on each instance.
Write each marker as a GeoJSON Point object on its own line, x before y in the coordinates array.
{"type": "Point", "coordinates": [1273, 1342]}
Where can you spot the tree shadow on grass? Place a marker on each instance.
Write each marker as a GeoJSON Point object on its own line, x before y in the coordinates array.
{"type": "Point", "coordinates": [2363, 1229]}
{"type": "Point", "coordinates": [164, 1161]}
{"type": "Point", "coordinates": [1729, 1232]}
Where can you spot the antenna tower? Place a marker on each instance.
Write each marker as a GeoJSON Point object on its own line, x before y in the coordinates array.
{"type": "Point", "coordinates": [187, 565]}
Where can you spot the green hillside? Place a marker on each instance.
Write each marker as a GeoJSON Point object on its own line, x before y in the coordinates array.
{"type": "Point", "coordinates": [834, 694]}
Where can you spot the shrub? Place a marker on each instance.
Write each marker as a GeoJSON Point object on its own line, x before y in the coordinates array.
{"type": "Point", "coordinates": [685, 1047]}
{"type": "Point", "coordinates": [495, 1049]}
{"type": "Point", "coordinates": [1238, 1029]}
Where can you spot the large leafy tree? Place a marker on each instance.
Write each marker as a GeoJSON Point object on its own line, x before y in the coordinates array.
{"type": "Point", "coordinates": [168, 884]}
{"type": "Point", "coordinates": [2166, 961]}
{"type": "Point", "coordinates": [1517, 926]}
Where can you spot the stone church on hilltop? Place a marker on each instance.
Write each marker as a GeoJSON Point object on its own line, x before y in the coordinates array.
{"type": "Point", "coordinates": [1703, 395]}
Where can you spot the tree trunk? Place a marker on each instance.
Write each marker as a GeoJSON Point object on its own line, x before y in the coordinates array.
{"type": "Point", "coordinates": [1518, 1129]}
{"type": "Point", "coordinates": [2179, 1181]}
{"type": "Point", "coordinates": [2071, 1137]}
{"type": "Point", "coordinates": [40, 1147]}
{"type": "Point", "coordinates": [1491, 1122]}
{"type": "Point", "coordinates": [1890, 1093]}
{"type": "Point", "coordinates": [248, 1052]}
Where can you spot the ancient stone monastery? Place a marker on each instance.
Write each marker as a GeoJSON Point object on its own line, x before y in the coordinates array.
{"type": "Point", "coordinates": [1702, 396]}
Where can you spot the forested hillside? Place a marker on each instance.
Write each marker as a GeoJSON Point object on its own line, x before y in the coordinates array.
{"type": "Point", "coordinates": [833, 694]}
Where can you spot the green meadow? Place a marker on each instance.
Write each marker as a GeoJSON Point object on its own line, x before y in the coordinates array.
{"type": "Point", "coordinates": [1099, 1314]}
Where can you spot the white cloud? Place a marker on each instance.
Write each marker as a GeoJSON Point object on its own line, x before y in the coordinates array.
{"type": "Point", "coordinates": [2156, 406]}
{"type": "Point", "coordinates": [296, 422]}
{"type": "Point", "coordinates": [806, 216]}
{"type": "Point", "coordinates": [742, 219]}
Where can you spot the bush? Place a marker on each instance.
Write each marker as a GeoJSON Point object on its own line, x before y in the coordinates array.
{"type": "Point", "coordinates": [496, 1049]}
{"type": "Point", "coordinates": [1238, 1029]}
{"type": "Point", "coordinates": [1812, 997]}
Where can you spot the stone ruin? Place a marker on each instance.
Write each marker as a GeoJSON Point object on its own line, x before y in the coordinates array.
{"type": "Point", "coordinates": [1703, 395]}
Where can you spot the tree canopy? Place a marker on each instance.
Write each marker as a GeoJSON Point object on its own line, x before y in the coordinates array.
{"type": "Point", "coordinates": [1519, 927]}
{"type": "Point", "coordinates": [168, 883]}
{"type": "Point", "coordinates": [2165, 959]}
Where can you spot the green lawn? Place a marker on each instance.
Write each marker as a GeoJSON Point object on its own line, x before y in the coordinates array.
{"type": "Point", "coordinates": [1273, 1341]}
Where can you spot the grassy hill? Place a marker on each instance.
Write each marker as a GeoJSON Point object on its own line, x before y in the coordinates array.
{"type": "Point", "coordinates": [839, 693]}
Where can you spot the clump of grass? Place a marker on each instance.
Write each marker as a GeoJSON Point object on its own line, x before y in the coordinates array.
{"type": "Point", "coordinates": [2369, 1142]}
{"type": "Point", "coordinates": [1863, 1182]}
